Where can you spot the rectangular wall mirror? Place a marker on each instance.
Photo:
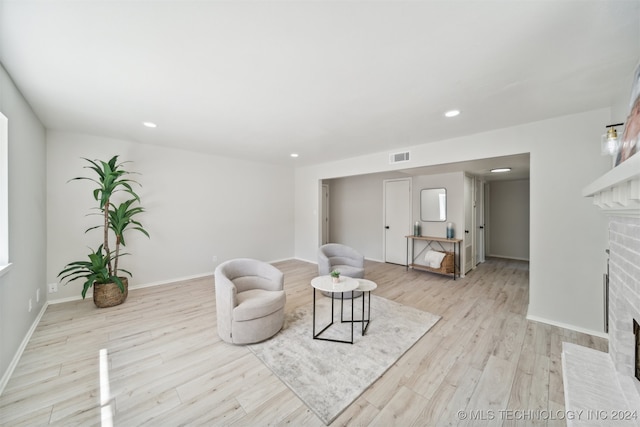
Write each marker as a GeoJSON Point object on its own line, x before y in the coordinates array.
{"type": "Point", "coordinates": [433, 204]}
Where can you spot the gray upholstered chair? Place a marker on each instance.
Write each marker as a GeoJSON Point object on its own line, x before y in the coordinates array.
{"type": "Point", "coordinates": [345, 259]}
{"type": "Point", "coordinates": [249, 300]}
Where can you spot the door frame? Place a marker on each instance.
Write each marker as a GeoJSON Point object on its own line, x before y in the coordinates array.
{"type": "Point", "coordinates": [471, 228]}
{"type": "Point", "coordinates": [384, 210]}
{"type": "Point", "coordinates": [324, 211]}
{"type": "Point", "coordinates": [480, 222]}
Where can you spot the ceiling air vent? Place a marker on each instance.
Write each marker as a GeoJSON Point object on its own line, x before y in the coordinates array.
{"type": "Point", "coordinates": [399, 157]}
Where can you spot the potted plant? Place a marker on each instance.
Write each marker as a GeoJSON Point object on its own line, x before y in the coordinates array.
{"type": "Point", "coordinates": [335, 276]}
{"type": "Point", "coordinates": [96, 273]}
{"type": "Point", "coordinates": [117, 216]}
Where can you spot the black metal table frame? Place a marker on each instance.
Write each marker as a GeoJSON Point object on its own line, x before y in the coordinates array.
{"type": "Point", "coordinates": [317, 336]}
{"type": "Point", "coordinates": [365, 321]}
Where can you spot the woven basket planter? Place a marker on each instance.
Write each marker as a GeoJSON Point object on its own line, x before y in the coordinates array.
{"type": "Point", "coordinates": [109, 294]}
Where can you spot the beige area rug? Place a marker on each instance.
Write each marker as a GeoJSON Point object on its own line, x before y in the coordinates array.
{"type": "Point", "coordinates": [329, 376]}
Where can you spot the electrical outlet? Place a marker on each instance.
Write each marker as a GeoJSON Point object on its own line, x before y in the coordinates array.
{"type": "Point", "coordinates": [38, 295]}
{"type": "Point", "coordinates": [214, 258]}
{"type": "Point", "coordinates": [53, 288]}
{"type": "Point", "coordinates": [30, 305]}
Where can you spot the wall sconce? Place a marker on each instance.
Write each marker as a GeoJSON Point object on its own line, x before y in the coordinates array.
{"type": "Point", "coordinates": [610, 143]}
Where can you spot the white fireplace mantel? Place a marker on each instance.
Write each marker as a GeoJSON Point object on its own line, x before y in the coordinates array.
{"type": "Point", "coordinates": [618, 191]}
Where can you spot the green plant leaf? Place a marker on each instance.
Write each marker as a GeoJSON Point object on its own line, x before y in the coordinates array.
{"type": "Point", "coordinates": [117, 218]}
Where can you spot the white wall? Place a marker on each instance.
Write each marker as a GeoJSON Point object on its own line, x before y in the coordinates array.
{"type": "Point", "coordinates": [197, 206]}
{"type": "Point", "coordinates": [509, 219]}
{"type": "Point", "coordinates": [27, 222]}
{"type": "Point", "coordinates": [356, 205]}
{"type": "Point", "coordinates": [454, 184]}
{"type": "Point", "coordinates": [567, 242]}
{"type": "Point", "coordinates": [356, 213]}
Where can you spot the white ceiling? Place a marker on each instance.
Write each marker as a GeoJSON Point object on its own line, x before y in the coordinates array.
{"type": "Point", "coordinates": [519, 165]}
{"type": "Point", "coordinates": [325, 79]}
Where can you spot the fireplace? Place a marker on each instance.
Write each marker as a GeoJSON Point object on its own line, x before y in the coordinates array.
{"type": "Point", "coordinates": [624, 295]}
{"type": "Point", "coordinates": [593, 379]}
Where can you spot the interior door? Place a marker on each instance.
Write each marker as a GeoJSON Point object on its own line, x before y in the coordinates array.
{"type": "Point", "coordinates": [325, 214]}
{"type": "Point", "coordinates": [469, 223]}
{"type": "Point", "coordinates": [479, 201]}
{"type": "Point", "coordinates": [397, 219]}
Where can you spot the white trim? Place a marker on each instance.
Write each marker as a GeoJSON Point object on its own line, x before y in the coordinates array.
{"type": "Point", "coordinates": [316, 262]}
{"type": "Point", "coordinates": [305, 260]}
{"type": "Point", "coordinates": [622, 173]}
{"type": "Point", "coordinates": [325, 208]}
{"type": "Point", "coordinates": [618, 191]}
{"type": "Point", "coordinates": [141, 286]}
{"type": "Point", "coordinates": [280, 260]}
{"type": "Point", "coordinates": [4, 269]}
{"type": "Point", "coordinates": [172, 281]}
{"type": "Point", "coordinates": [148, 285]}
{"type": "Point", "coordinates": [471, 236]}
{"type": "Point", "coordinates": [567, 326]}
{"type": "Point", "coordinates": [4, 190]}
{"type": "Point", "coordinates": [508, 257]}
{"type": "Point", "coordinates": [67, 299]}
{"type": "Point", "coordinates": [23, 345]}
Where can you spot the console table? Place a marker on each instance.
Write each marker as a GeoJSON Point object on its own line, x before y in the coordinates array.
{"type": "Point", "coordinates": [411, 241]}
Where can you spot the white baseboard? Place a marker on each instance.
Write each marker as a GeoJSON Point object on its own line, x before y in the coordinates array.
{"type": "Point", "coordinates": [67, 299]}
{"type": "Point", "coordinates": [316, 261]}
{"type": "Point", "coordinates": [568, 326]}
{"type": "Point", "coordinates": [23, 345]}
{"type": "Point", "coordinates": [507, 257]}
{"type": "Point", "coordinates": [171, 281]}
{"type": "Point", "coordinates": [280, 260]}
{"type": "Point", "coordinates": [305, 260]}
{"type": "Point", "coordinates": [140, 286]}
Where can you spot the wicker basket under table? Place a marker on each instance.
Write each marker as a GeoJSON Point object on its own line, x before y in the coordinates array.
{"type": "Point", "coordinates": [446, 266]}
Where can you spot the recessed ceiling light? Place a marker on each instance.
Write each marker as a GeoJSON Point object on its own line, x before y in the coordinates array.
{"type": "Point", "coordinates": [294, 155]}
{"type": "Point", "coordinates": [452, 113]}
{"type": "Point", "coordinates": [499, 170]}
{"type": "Point", "coordinates": [150, 124]}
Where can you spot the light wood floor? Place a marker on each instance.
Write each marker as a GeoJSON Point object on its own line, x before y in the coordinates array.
{"type": "Point", "coordinates": [168, 367]}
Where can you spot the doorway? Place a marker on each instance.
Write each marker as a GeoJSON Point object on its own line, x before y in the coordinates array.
{"type": "Point", "coordinates": [480, 221]}
{"type": "Point", "coordinates": [325, 214]}
{"type": "Point", "coordinates": [469, 237]}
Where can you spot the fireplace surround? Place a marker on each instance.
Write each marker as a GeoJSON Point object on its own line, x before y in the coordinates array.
{"type": "Point", "coordinates": [595, 380]}
{"type": "Point", "coordinates": [624, 292]}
